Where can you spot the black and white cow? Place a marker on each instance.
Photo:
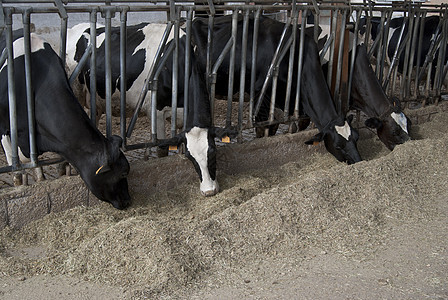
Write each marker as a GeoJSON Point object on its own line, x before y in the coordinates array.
{"type": "Point", "coordinates": [385, 115]}
{"type": "Point", "coordinates": [199, 135]}
{"type": "Point", "coordinates": [142, 42]}
{"type": "Point", "coordinates": [396, 24]}
{"type": "Point", "coordinates": [61, 124]}
{"type": "Point", "coordinates": [339, 137]}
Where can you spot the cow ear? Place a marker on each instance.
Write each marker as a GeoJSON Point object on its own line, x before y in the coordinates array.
{"type": "Point", "coordinates": [373, 123]}
{"type": "Point", "coordinates": [315, 139]}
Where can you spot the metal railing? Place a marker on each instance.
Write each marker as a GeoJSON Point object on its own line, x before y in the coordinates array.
{"type": "Point", "coordinates": [337, 15]}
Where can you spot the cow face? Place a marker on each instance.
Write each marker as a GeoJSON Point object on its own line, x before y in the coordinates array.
{"type": "Point", "coordinates": [340, 140]}
{"type": "Point", "coordinates": [392, 130]}
{"type": "Point", "coordinates": [108, 182]}
{"type": "Point", "coordinates": [201, 151]}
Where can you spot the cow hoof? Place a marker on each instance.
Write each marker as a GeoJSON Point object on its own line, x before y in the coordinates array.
{"type": "Point", "coordinates": [209, 193]}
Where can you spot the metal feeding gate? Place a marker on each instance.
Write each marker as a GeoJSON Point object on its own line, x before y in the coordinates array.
{"type": "Point", "coordinates": [345, 22]}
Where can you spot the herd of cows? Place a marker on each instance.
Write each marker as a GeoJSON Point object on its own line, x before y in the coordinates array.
{"type": "Point", "coordinates": [63, 127]}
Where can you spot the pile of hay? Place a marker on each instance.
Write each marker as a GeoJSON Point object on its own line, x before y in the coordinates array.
{"type": "Point", "coordinates": [174, 239]}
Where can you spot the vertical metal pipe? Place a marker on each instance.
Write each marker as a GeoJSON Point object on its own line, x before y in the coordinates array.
{"type": "Point", "coordinates": [108, 68]}
{"type": "Point", "coordinates": [437, 84]}
{"type": "Point", "coordinates": [332, 46]}
{"type": "Point", "coordinates": [93, 19]}
{"type": "Point", "coordinates": [232, 68]}
{"type": "Point", "coordinates": [380, 45]}
{"type": "Point", "coordinates": [11, 91]}
{"type": "Point", "coordinates": [413, 37]}
{"type": "Point", "coordinates": [299, 68]}
{"type": "Point", "coordinates": [187, 66]}
{"type": "Point", "coordinates": [29, 86]}
{"type": "Point", "coordinates": [352, 65]}
{"type": "Point", "coordinates": [154, 87]}
{"type": "Point", "coordinates": [407, 40]}
{"type": "Point", "coordinates": [419, 51]}
{"type": "Point", "coordinates": [63, 47]}
{"type": "Point", "coordinates": [175, 75]}
{"type": "Point", "coordinates": [385, 43]}
{"type": "Point", "coordinates": [292, 53]}
{"type": "Point", "coordinates": [123, 80]}
{"type": "Point", "coordinates": [337, 97]}
{"type": "Point", "coordinates": [243, 73]}
{"type": "Point", "coordinates": [209, 63]}
{"type": "Point", "coordinates": [253, 66]}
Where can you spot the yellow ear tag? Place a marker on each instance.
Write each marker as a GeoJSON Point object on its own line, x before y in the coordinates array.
{"type": "Point", "coordinates": [172, 148]}
{"type": "Point", "coordinates": [99, 169]}
{"type": "Point", "coordinates": [225, 139]}
{"type": "Point", "coordinates": [315, 143]}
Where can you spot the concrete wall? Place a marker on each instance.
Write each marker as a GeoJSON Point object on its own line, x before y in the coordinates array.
{"type": "Point", "coordinates": [21, 205]}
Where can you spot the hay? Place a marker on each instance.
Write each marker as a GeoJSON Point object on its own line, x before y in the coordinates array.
{"type": "Point", "coordinates": [172, 240]}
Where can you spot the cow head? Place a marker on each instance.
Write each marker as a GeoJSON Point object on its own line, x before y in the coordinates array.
{"type": "Point", "coordinates": [107, 180]}
{"type": "Point", "coordinates": [340, 140]}
{"type": "Point", "coordinates": [392, 129]}
{"type": "Point", "coordinates": [201, 151]}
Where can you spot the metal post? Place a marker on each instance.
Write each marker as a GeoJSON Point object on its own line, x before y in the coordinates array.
{"type": "Point", "coordinates": [187, 66]}
{"type": "Point", "coordinates": [243, 74]}
{"type": "Point", "coordinates": [299, 68]}
{"type": "Point", "coordinates": [109, 13]}
{"type": "Point", "coordinates": [93, 19]}
{"type": "Point", "coordinates": [253, 66]}
{"type": "Point", "coordinates": [232, 68]}
{"type": "Point", "coordinates": [123, 80]}
{"type": "Point", "coordinates": [174, 90]}
{"type": "Point", "coordinates": [29, 86]}
{"type": "Point", "coordinates": [11, 91]}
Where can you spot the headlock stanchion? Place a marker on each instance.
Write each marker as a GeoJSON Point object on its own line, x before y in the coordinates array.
{"type": "Point", "coordinates": [401, 74]}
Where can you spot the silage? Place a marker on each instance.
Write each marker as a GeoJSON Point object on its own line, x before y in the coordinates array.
{"type": "Point", "coordinates": [175, 238]}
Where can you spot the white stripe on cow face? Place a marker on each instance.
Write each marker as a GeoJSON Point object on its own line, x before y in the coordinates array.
{"type": "Point", "coordinates": [7, 147]}
{"type": "Point", "coordinates": [344, 131]}
{"type": "Point", "coordinates": [37, 43]}
{"type": "Point", "coordinates": [401, 120]}
{"type": "Point", "coordinates": [197, 145]}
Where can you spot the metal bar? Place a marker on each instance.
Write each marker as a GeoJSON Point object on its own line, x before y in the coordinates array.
{"type": "Point", "coordinates": [337, 88]}
{"type": "Point", "coordinates": [382, 58]}
{"type": "Point", "coordinates": [413, 47]}
{"type": "Point", "coordinates": [292, 52]}
{"type": "Point", "coordinates": [380, 46]}
{"type": "Point", "coordinates": [232, 69]}
{"type": "Point", "coordinates": [108, 12]}
{"type": "Point", "coordinates": [406, 54]}
{"type": "Point", "coordinates": [243, 73]}
{"type": "Point", "coordinates": [353, 58]}
{"type": "Point", "coordinates": [63, 46]}
{"type": "Point", "coordinates": [187, 66]}
{"type": "Point", "coordinates": [299, 68]}
{"type": "Point", "coordinates": [93, 19]}
{"type": "Point", "coordinates": [253, 66]}
{"type": "Point", "coordinates": [208, 67]}
{"type": "Point", "coordinates": [437, 84]}
{"type": "Point", "coordinates": [123, 77]}
{"type": "Point", "coordinates": [271, 67]}
{"type": "Point", "coordinates": [11, 91]}
{"type": "Point", "coordinates": [175, 75]}
{"type": "Point", "coordinates": [80, 64]}
{"type": "Point", "coordinates": [419, 51]}
{"type": "Point", "coordinates": [29, 87]}
{"type": "Point", "coordinates": [396, 56]}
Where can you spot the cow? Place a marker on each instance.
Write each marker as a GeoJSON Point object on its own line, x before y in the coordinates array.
{"type": "Point", "coordinates": [385, 115]}
{"type": "Point", "coordinates": [142, 43]}
{"type": "Point", "coordinates": [199, 134]}
{"type": "Point", "coordinates": [61, 124]}
{"type": "Point", "coordinates": [396, 24]}
{"type": "Point", "coordinates": [335, 130]}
